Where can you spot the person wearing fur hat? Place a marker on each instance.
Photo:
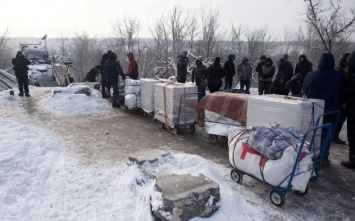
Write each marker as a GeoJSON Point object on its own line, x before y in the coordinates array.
{"type": "Point", "coordinates": [267, 72]}
{"type": "Point", "coordinates": [181, 65]}
{"type": "Point", "coordinates": [349, 93]}
{"type": "Point", "coordinates": [214, 75]}
{"type": "Point", "coordinates": [198, 76]}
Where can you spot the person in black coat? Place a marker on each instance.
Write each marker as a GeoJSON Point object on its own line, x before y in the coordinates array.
{"type": "Point", "coordinates": [181, 65]}
{"type": "Point", "coordinates": [93, 73]}
{"type": "Point", "coordinates": [342, 68]}
{"type": "Point", "coordinates": [285, 67]}
{"type": "Point", "coordinates": [349, 93]}
{"type": "Point", "coordinates": [112, 69]}
{"type": "Point", "coordinates": [229, 67]}
{"type": "Point", "coordinates": [20, 64]}
{"type": "Point", "coordinates": [214, 75]}
{"type": "Point", "coordinates": [104, 85]}
{"type": "Point", "coordinates": [303, 66]}
{"type": "Point", "coordinates": [259, 69]}
{"type": "Point", "coordinates": [267, 73]}
{"type": "Point", "coordinates": [295, 85]}
{"type": "Point", "coordinates": [278, 85]}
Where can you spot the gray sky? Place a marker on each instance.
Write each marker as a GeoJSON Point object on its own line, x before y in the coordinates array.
{"type": "Point", "coordinates": [34, 18]}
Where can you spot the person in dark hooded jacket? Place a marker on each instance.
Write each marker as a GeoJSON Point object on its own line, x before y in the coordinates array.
{"type": "Point", "coordinates": [104, 85]}
{"type": "Point", "coordinates": [327, 84]}
{"type": "Point", "coordinates": [349, 93]}
{"type": "Point", "coordinates": [295, 85]}
{"type": "Point", "coordinates": [303, 66]}
{"type": "Point", "coordinates": [267, 72]}
{"type": "Point", "coordinates": [132, 71]}
{"type": "Point", "coordinates": [278, 85]}
{"type": "Point", "coordinates": [199, 75]}
{"type": "Point", "coordinates": [229, 67]}
{"type": "Point", "coordinates": [342, 68]}
{"type": "Point", "coordinates": [93, 73]}
{"type": "Point", "coordinates": [112, 69]}
{"type": "Point", "coordinates": [245, 72]}
{"type": "Point", "coordinates": [259, 69]}
{"type": "Point", "coordinates": [214, 75]}
{"type": "Point", "coordinates": [181, 65]}
{"type": "Point", "coordinates": [20, 64]}
{"type": "Point", "coordinates": [285, 67]}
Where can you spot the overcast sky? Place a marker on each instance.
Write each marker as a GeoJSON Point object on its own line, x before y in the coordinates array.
{"type": "Point", "coordinates": [34, 18]}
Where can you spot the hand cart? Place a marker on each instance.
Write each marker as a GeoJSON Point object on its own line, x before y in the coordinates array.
{"type": "Point", "coordinates": [278, 194]}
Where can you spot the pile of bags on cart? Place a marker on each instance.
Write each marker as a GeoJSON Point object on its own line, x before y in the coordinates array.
{"type": "Point", "coordinates": [270, 154]}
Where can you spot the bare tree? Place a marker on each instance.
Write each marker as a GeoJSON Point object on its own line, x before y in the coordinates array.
{"type": "Point", "coordinates": [331, 23]}
{"type": "Point", "coordinates": [62, 45]}
{"type": "Point", "coordinates": [85, 52]}
{"type": "Point", "coordinates": [5, 54]}
{"type": "Point", "coordinates": [209, 32]}
{"type": "Point", "coordinates": [126, 33]}
{"type": "Point", "coordinates": [259, 42]}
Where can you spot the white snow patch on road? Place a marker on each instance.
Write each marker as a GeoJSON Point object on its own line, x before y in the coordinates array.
{"type": "Point", "coordinates": [68, 103]}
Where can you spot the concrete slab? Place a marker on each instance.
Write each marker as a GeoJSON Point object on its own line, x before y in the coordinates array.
{"type": "Point", "coordinates": [150, 156]}
{"type": "Point", "coordinates": [186, 196]}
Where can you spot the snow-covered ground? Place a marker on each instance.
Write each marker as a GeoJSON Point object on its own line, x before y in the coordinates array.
{"type": "Point", "coordinates": [41, 178]}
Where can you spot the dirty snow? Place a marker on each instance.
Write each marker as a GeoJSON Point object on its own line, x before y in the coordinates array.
{"type": "Point", "coordinates": [40, 179]}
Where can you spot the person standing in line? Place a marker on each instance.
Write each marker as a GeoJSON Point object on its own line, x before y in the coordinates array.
{"type": "Point", "coordinates": [342, 68]}
{"type": "Point", "coordinates": [214, 75]}
{"type": "Point", "coordinates": [181, 65]}
{"type": "Point", "coordinates": [349, 93]}
{"type": "Point", "coordinates": [132, 71]}
{"type": "Point", "coordinates": [285, 67]}
{"type": "Point", "coordinates": [259, 70]}
{"type": "Point", "coordinates": [268, 71]}
{"type": "Point", "coordinates": [303, 66]}
{"type": "Point", "coordinates": [104, 85]}
{"type": "Point", "coordinates": [229, 67]}
{"type": "Point", "coordinates": [198, 75]}
{"type": "Point", "coordinates": [112, 69]}
{"type": "Point", "coordinates": [244, 70]}
{"type": "Point", "coordinates": [20, 66]}
{"type": "Point", "coordinates": [326, 84]}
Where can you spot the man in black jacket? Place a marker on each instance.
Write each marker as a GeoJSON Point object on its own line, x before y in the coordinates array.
{"type": "Point", "coordinates": [20, 67]}
{"type": "Point", "coordinates": [259, 69]}
{"type": "Point", "coordinates": [181, 65]}
{"type": "Point", "coordinates": [350, 111]}
{"type": "Point", "coordinates": [303, 66]}
{"type": "Point", "coordinates": [214, 75]}
{"type": "Point", "coordinates": [104, 84]}
{"type": "Point", "coordinates": [112, 69]}
{"type": "Point", "coordinates": [230, 72]}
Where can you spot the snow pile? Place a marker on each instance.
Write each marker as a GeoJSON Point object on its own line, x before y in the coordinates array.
{"type": "Point", "coordinates": [67, 101]}
{"type": "Point", "coordinates": [40, 181]}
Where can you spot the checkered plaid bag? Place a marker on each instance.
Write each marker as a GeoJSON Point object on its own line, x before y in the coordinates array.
{"type": "Point", "coordinates": [270, 142]}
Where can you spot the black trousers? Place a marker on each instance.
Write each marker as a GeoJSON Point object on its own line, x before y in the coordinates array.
{"type": "Point", "coordinates": [350, 114]}
{"type": "Point", "coordinates": [228, 82]}
{"type": "Point", "coordinates": [22, 81]}
{"type": "Point", "coordinates": [264, 87]}
{"type": "Point", "coordinates": [115, 93]}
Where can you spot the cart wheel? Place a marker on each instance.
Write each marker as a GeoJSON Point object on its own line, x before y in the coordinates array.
{"type": "Point", "coordinates": [192, 128]}
{"type": "Point", "coordinates": [277, 198]}
{"type": "Point", "coordinates": [212, 138]}
{"type": "Point", "coordinates": [303, 193]}
{"type": "Point", "coordinates": [162, 125]}
{"type": "Point", "coordinates": [236, 176]}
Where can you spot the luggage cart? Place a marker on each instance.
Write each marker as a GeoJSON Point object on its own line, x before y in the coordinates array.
{"type": "Point", "coordinates": [185, 126]}
{"type": "Point", "coordinates": [278, 194]}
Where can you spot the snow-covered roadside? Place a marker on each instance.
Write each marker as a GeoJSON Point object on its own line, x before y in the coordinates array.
{"type": "Point", "coordinates": [40, 181]}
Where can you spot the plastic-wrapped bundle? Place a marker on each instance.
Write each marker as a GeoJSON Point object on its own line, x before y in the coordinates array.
{"type": "Point", "coordinates": [147, 94]}
{"type": "Point", "coordinates": [132, 93]}
{"type": "Point", "coordinates": [219, 125]}
{"type": "Point", "coordinates": [167, 103]}
{"type": "Point", "coordinates": [132, 101]}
